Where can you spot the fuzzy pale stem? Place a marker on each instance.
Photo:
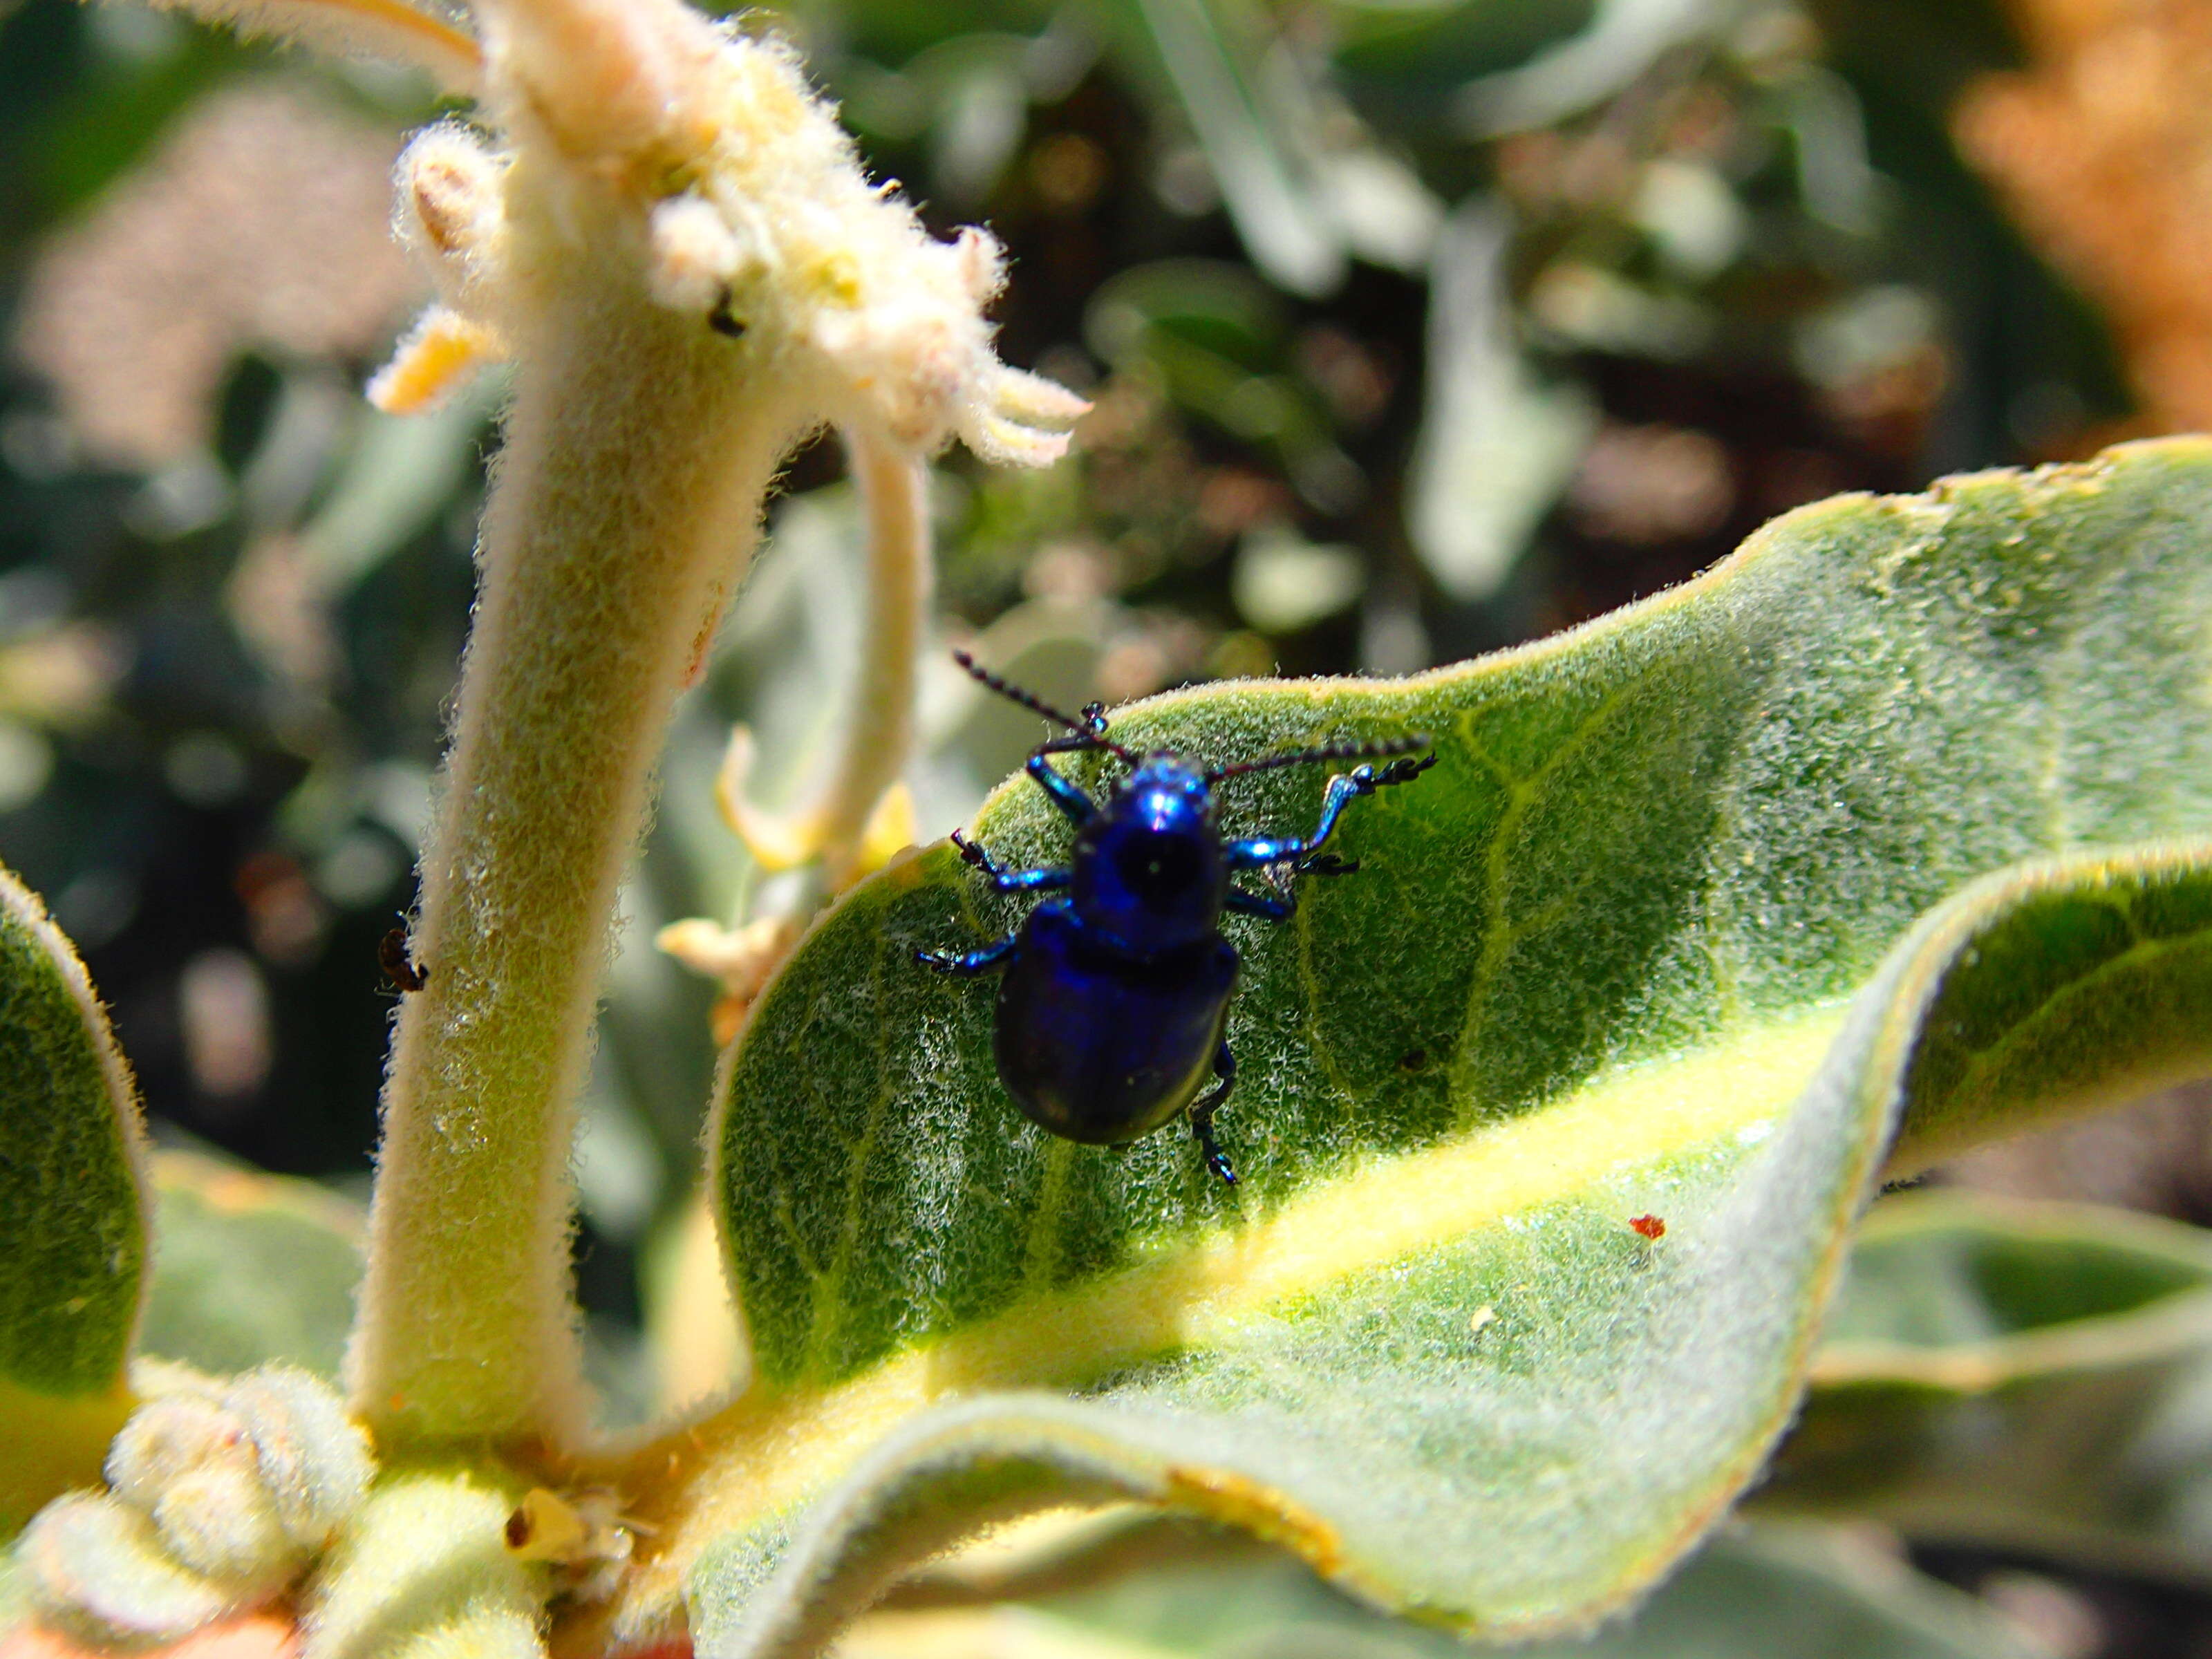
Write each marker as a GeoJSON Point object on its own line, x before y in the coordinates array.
{"type": "Point", "coordinates": [626, 499]}
{"type": "Point", "coordinates": [894, 485]}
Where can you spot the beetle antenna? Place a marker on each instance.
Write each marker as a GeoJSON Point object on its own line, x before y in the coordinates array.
{"type": "Point", "coordinates": [1090, 727]}
{"type": "Point", "coordinates": [1329, 751]}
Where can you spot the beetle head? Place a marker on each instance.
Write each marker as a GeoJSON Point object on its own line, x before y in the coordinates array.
{"type": "Point", "coordinates": [1149, 873]}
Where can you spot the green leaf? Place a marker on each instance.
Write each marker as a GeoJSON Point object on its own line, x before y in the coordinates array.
{"type": "Point", "coordinates": [1772, 1591]}
{"type": "Point", "coordinates": [2032, 1378]}
{"type": "Point", "coordinates": [1645, 941]}
{"type": "Point", "coordinates": [72, 1214]}
{"type": "Point", "coordinates": [249, 1268]}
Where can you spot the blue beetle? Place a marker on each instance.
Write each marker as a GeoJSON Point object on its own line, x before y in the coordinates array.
{"type": "Point", "coordinates": [1112, 1007]}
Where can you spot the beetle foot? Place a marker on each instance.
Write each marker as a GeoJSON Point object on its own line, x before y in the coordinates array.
{"type": "Point", "coordinates": [1327, 863]}
{"type": "Point", "coordinates": [967, 964]}
{"type": "Point", "coordinates": [973, 855]}
{"type": "Point", "coordinates": [1201, 1123]}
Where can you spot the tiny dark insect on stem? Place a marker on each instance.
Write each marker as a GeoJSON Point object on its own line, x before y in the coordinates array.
{"type": "Point", "coordinates": [725, 321]}
{"type": "Point", "coordinates": [398, 967]}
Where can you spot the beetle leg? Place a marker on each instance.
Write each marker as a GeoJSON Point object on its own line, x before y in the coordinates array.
{"type": "Point", "coordinates": [1343, 789]}
{"type": "Point", "coordinates": [1261, 850]}
{"type": "Point", "coordinates": [1065, 795]}
{"type": "Point", "coordinates": [1031, 881]}
{"type": "Point", "coordinates": [1285, 903]}
{"type": "Point", "coordinates": [1259, 904]}
{"type": "Point", "coordinates": [965, 964]}
{"type": "Point", "coordinates": [1063, 792]}
{"type": "Point", "coordinates": [1202, 1111]}
{"type": "Point", "coordinates": [1009, 881]}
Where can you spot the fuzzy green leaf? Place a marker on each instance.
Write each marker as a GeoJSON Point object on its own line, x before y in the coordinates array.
{"type": "Point", "coordinates": [249, 1268]}
{"type": "Point", "coordinates": [72, 1214]}
{"type": "Point", "coordinates": [1699, 903]}
{"type": "Point", "coordinates": [2019, 1376]}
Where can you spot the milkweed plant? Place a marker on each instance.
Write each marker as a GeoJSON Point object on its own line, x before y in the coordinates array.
{"type": "Point", "coordinates": [1886, 836]}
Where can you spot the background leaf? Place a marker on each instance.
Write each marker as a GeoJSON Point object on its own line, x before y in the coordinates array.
{"type": "Point", "coordinates": [72, 1214]}
{"type": "Point", "coordinates": [1594, 966]}
{"type": "Point", "coordinates": [249, 1268]}
{"type": "Point", "coordinates": [1772, 1591]}
{"type": "Point", "coordinates": [2021, 1376]}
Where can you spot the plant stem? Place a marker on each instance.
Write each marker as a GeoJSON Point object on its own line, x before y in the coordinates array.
{"type": "Point", "coordinates": [894, 485]}
{"type": "Point", "coordinates": [625, 505]}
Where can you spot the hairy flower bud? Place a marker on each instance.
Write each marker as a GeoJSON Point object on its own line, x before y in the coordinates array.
{"type": "Point", "coordinates": [221, 1493]}
{"type": "Point", "coordinates": [748, 210]}
{"type": "Point", "coordinates": [218, 1521]}
{"type": "Point", "coordinates": [98, 1569]}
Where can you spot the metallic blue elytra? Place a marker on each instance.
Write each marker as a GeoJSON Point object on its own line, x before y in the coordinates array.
{"type": "Point", "coordinates": [1114, 998]}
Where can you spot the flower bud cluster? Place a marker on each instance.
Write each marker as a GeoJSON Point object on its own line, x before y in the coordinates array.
{"type": "Point", "coordinates": [748, 210]}
{"type": "Point", "coordinates": [221, 1493]}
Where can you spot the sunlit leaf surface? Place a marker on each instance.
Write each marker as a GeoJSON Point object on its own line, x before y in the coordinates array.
{"type": "Point", "coordinates": [1697, 903]}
